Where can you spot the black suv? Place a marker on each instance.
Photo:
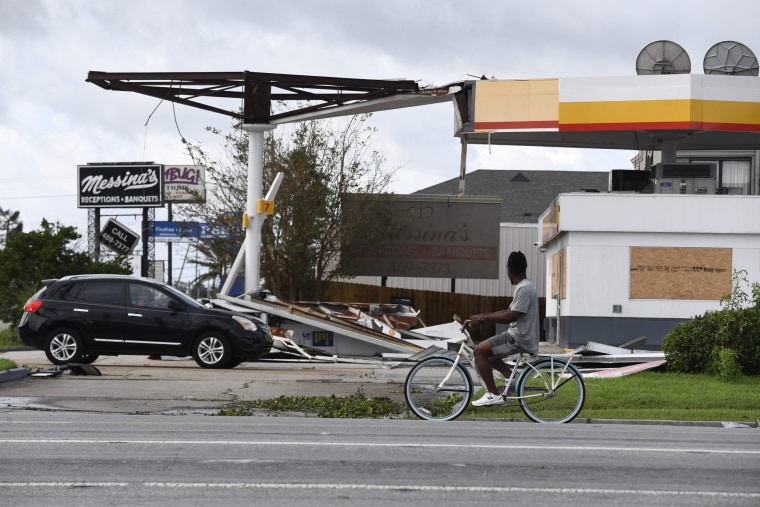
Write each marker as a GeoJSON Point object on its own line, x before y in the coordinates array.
{"type": "Point", "coordinates": [76, 318]}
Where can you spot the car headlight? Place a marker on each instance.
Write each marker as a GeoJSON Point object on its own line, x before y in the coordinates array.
{"type": "Point", "coordinates": [246, 324]}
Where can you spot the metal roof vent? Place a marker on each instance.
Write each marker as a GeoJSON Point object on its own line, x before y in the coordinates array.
{"type": "Point", "coordinates": [520, 177]}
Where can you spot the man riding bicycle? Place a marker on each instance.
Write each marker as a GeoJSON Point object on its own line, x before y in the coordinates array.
{"type": "Point", "coordinates": [522, 334]}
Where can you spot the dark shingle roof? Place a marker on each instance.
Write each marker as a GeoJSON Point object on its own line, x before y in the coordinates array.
{"type": "Point", "coordinates": [525, 194]}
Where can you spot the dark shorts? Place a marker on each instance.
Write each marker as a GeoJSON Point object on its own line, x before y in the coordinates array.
{"type": "Point", "coordinates": [503, 345]}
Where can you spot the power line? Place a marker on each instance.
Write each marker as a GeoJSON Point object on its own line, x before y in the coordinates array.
{"type": "Point", "coordinates": [40, 196]}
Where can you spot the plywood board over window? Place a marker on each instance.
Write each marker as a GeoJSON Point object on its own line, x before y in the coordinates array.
{"type": "Point", "coordinates": [559, 274]}
{"type": "Point", "coordinates": [680, 273]}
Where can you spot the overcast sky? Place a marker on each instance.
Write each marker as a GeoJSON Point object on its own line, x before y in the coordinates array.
{"type": "Point", "coordinates": [51, 120]}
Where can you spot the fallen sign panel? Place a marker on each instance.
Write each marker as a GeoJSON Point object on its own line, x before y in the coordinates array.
{"type": "Point", "coordinates": [599, 353]}
{"type": "Point", "coordinates": [624, 370]}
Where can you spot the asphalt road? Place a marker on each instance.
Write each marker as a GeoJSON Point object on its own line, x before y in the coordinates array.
{"type": "Point", "coordinates": [83, 458]}
{"type": "Point", "coordinates": [140, 434]}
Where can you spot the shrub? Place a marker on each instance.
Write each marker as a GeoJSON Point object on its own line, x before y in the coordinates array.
{"type": "Point", "coordinates": [726, 364]}
{"type": "Point", "coordinates": [688, 347]}
{"type": "Point", "coordinates": [725, 343]}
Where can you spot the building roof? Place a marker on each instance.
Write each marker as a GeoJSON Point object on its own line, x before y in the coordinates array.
{"type": "Point", "coordinates": [526, 194]}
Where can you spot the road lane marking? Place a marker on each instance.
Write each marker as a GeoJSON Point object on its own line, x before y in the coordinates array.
{"type": "Point", "coordinates": [386, 487]}
{"type": "Point", "coordinates": [602, 448]}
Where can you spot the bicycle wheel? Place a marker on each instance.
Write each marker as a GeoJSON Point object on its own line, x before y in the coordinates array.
{"type": "Point", "coordinates": [428, 399]}
{"type": "Point", "coordinates": [551, 391]}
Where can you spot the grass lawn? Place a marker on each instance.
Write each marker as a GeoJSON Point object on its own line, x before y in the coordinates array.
{"type": "Point", "coordinates": [7, 364]}
{"type": "Point", "coordinates": [661, 396]}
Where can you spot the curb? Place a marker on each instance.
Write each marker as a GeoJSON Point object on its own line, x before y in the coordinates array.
{"type": "Point", "coordinates": [12, 374]}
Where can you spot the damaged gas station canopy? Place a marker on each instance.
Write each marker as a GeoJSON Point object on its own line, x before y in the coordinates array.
{"type": "Point", "coordinates": [705, 112]}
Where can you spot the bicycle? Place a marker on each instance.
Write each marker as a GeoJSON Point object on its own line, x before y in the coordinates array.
{"type": "Point", "coordinates": [549, 388]}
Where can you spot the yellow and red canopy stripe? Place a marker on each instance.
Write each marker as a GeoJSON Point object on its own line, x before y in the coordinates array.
{"type": "Point", "coordinates": [667, 102]}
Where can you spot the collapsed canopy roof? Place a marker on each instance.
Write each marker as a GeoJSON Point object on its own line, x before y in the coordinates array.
{"type": "Point", "coordinates": [699, 112]}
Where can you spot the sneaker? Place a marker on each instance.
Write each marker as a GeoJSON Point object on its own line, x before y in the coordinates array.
{"type": "Point", "coordinates": [488, 399]}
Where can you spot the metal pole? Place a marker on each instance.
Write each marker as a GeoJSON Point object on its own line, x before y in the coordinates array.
{"type": "Point", "coordinates": [462, 165]}
{"type": "Point", "coordinates": [169, 263]}
{"type": "Point", "coordinates": [144, 264]}
{"type": "Point", "coordinates": [253, 225]}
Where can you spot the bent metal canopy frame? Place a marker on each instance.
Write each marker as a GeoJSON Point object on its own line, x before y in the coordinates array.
{"type": "Point", "coordinates": [304, 97]}
{"type": "Point", "coordinates": [257, 91]}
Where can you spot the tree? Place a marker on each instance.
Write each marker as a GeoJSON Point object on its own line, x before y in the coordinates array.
{"type": "Point", "coordinates": [322, 161]}
{"type": "Point", "coordinates": [9, 224]}
{"type": "Point", "coordinates": [30, 257]}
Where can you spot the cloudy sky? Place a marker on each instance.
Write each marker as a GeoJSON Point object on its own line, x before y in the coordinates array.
{"type": "Point", "coordinates": [51, 120]}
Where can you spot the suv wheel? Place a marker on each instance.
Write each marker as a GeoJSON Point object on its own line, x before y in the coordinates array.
{"type": "Point", "coordinates": [64, 346]}
{"type": "Point", "coordinates": [212, 350]}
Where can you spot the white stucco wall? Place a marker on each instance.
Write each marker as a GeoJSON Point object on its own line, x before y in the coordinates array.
{"type": "Point", "coordinates": [597, 231]}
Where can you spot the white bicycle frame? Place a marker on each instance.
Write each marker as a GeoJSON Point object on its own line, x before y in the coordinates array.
{"type": "Point", "coordinates": [466, 350]}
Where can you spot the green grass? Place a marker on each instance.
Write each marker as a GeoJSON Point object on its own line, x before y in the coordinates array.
{"type": "Point", "coordinates": [661, 396]}
{"type": "Point", "coordinates": [355, 406]}
{"type": "Point", "coordinates": [9, 339]}
{"type": "Point", "coordinates": [7, 364]}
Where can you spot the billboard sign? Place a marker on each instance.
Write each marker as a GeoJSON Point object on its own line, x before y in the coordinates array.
{"type": "Point", "coordinates": [118, 238]}
{"type": "Point", "coordinates": [435, 237]}
{"type": "Point", "coordinates": [186, 232]}
{"type": "Point", "coordinates": [213, 231]}
{"type": "Point", "coordinates": [120, 186]}
{"type": "Point", "coordinates": [174, 232]}
{"type": "Point", "coordinates": [184, 183]}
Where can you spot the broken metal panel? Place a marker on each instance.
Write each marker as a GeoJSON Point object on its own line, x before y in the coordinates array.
{"type": "Point", "coordinates": [379, 334]}
{"type": "Point", "coordinates": [599, 353]}
{"type": "Point", "coordinates": [624, 370]}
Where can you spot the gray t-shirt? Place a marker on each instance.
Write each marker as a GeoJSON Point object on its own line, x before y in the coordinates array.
{"type": "Point", "coordinates": [526, 329]}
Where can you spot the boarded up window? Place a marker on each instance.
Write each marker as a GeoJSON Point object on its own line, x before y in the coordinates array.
{"type": "Point", "coordinates": [680, 273]}
{"type": "Point", "coordinates": [559, 274]}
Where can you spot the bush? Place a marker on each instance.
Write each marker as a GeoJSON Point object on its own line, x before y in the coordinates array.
{"type": "Point", "coordinates": [725, 343]}
{"type": "Point", "coordinates": [688, 347]}
{"type": "Point", "coordinates": [726, 364]}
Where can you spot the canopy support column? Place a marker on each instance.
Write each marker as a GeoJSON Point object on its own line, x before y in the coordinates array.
{"type": "Point", "coordinates": [255, 219]}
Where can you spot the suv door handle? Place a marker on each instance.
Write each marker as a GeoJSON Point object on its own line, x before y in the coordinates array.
{"type": "Point", "coordinates": [130, 314]}
{"type": "Point", "coordinates": [83, 310]}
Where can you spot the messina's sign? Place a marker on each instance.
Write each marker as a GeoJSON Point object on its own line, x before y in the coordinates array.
{"type": "Point", "coordinates": [120, 186]}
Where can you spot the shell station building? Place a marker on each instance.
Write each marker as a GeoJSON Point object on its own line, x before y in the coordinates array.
{"type": "Point", "coordinates": [661, 247]}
